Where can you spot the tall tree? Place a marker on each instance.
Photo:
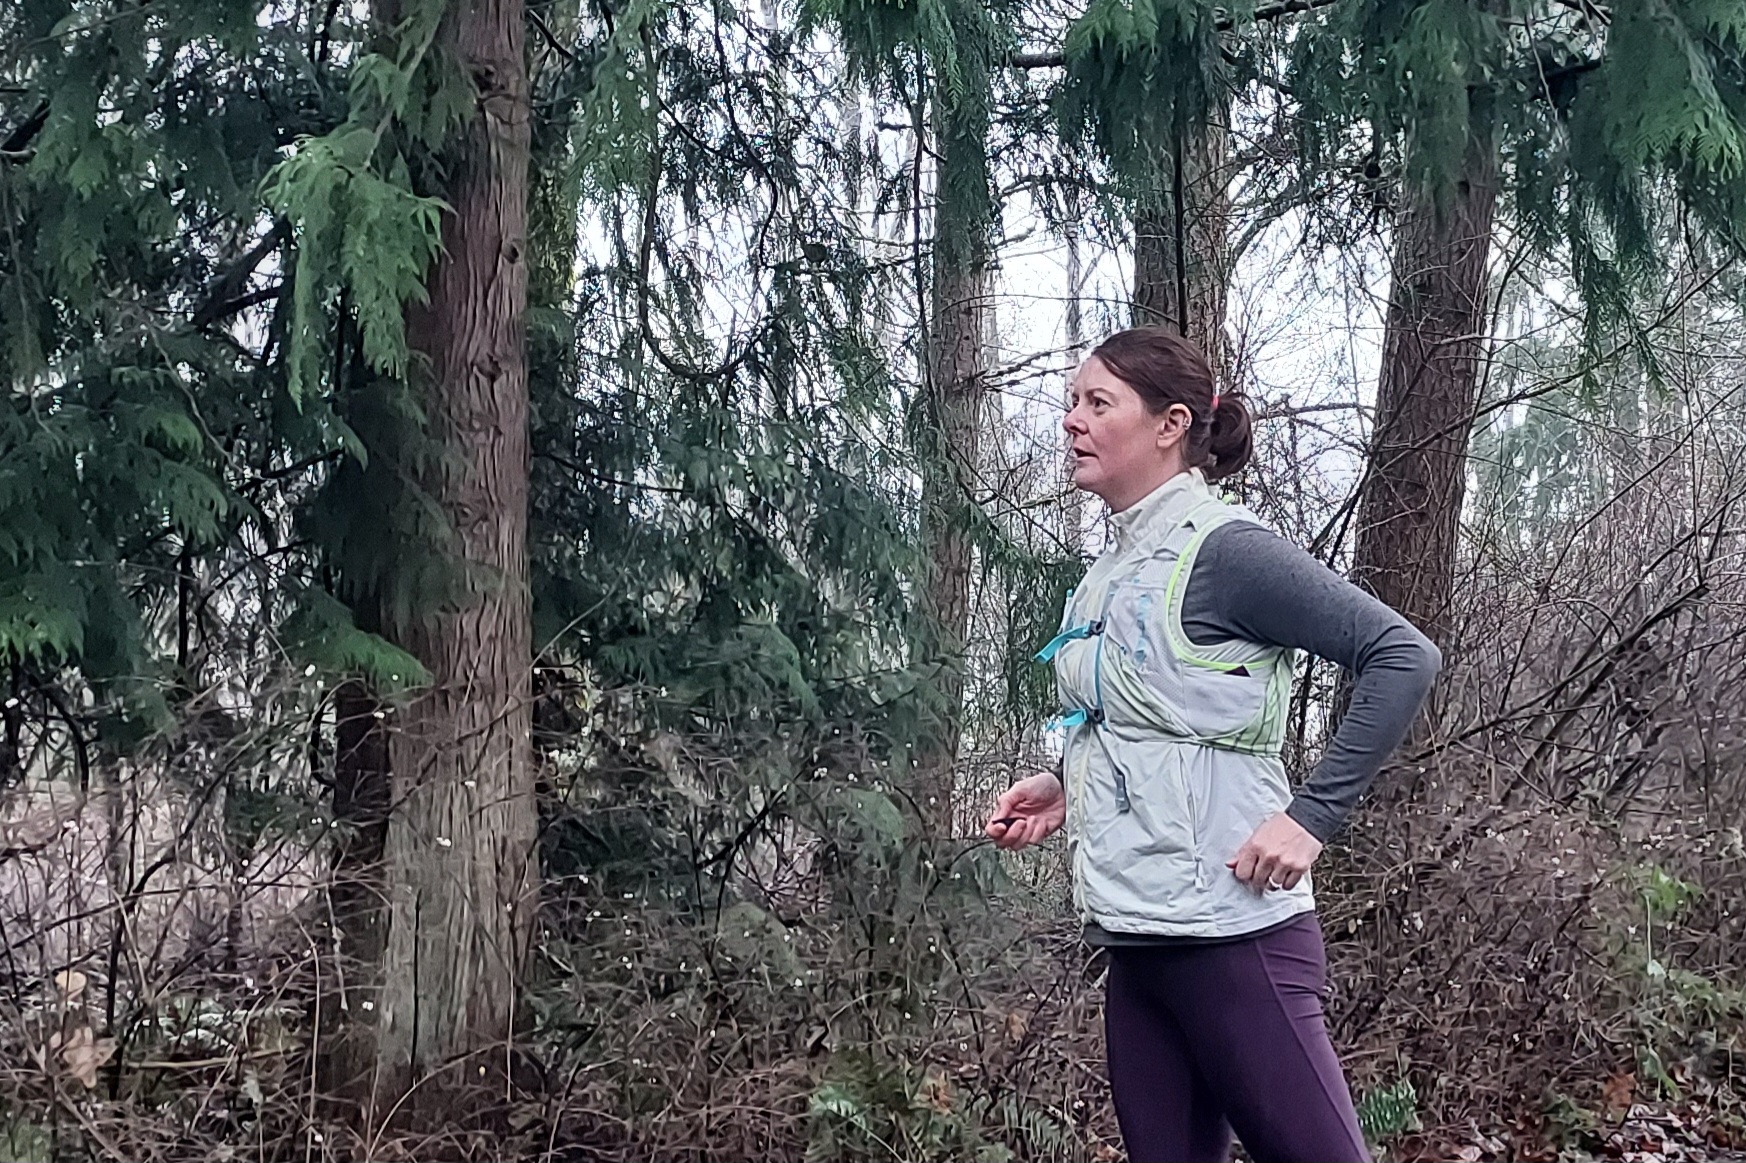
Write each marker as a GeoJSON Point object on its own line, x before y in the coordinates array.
{"type": "Point", "coordinates": [1181, 215]}
{"type": "Point", "coordinates": [1434, 339]}
{"type": "Point", "coordinates": [955, 392]}
{"type": "Point", "coordinates": [944, 52]}
{"type": "Point", "coordinates": [1572, 119]}
{"type": "Point", "coordinates": [437, 140]}
{"type": "Point", "coordinates": [1147, 85]}
{"type": "Point", "coordinates": [1433, 349]}
{"type": "Point", "coordinates": [460, 843]}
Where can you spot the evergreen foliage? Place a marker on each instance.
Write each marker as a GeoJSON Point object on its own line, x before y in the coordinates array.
{"type": "Point", "coordinates": [1611, 121]}
{"type": "Point", "coordinates": [1142, 75]}
{"type": "Point", "coordinates": [138, 435]}
{"type": "Point", "coordinates": [719, 518]}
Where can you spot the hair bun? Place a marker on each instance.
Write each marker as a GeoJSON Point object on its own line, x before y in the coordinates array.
{"type": "Point", "coordinates": [1231, 443]}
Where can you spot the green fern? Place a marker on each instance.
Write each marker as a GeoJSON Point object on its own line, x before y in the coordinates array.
{"type": "Point", "coordinates": [1390, 1110]}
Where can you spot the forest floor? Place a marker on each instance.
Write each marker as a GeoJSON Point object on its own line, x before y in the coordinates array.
{"type": "Point", "coordinates": [1687, 1132]}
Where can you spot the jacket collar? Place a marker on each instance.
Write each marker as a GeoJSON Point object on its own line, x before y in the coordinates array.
{"type": "Point", "coordinates": [1160, 511]}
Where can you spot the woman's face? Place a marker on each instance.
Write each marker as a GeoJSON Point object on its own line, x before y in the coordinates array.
{"type": "Point", "coordinates": [1121, 451]}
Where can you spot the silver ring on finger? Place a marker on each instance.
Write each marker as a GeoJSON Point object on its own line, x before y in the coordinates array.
{"type": "Point", "coordinates": [1274, 885]}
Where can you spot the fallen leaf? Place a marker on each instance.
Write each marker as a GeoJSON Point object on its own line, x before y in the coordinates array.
{"type": "Point", "coordinates": [1617, 1093]}
{"type": "Point", "coordinates": [937, 1092]}
{"type": "Point", "coordinates": [1470, 1154]}
{"type": "Point", "coordinates": [85, 1054]}
{"type": "Point", "coordinates": [71, 983]}
{"type": "Point", "coordinates": [1017, 1025]}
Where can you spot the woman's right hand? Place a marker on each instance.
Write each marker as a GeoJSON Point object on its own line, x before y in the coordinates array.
{"type": "Point", "coordinates": [1028, 812]}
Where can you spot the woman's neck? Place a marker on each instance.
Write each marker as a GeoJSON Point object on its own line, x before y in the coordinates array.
{"type": "Point", "coordinates": [1144, 487]}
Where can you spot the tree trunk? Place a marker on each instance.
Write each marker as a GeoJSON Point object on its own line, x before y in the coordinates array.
{"type": "Point", "coordinates": [1409, 505]}
{"type": "Point", "coordinates": [458, 852]}
{"type": "Point", "coordinates": [955, 397]}
{"type": "Point", "coordinates": [1185, 209]}
{"type": "Point", "coordinates": [1074, 510]}
{"type": "Point", "coordinates": [360, 811]}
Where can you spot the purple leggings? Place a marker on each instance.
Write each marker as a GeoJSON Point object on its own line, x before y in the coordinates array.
{"type": "Point", "coordinates": [1207, 1039]}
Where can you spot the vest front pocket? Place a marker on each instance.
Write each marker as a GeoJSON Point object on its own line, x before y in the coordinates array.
{"type": "Point", "coordinates": [1139, 861]}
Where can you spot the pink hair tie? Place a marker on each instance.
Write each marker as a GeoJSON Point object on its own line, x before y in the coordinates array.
{"type": "Point", "coordinates": [1215, 406]}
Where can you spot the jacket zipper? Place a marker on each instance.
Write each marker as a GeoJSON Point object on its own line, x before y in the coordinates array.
{"type": "Point", "coordinates": [1095, 719]}
{"type": "Point", "coordinates": [1193, 829]}
{"type": "Point", "coordinates": [1077, 807]}
{"type": "Point", "coordinates": [1076, 797]}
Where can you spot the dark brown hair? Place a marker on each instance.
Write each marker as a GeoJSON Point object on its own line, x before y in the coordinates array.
{"type": "Point", "coordinates": [1166, 369]}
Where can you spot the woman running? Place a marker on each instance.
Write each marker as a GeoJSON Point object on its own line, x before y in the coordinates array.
{"type": "Point", "coordinates": [1190, 854]}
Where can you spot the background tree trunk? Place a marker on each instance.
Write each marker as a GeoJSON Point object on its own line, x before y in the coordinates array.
{"type": "Point", "coordinates": [956, 394]}
{"type": "Point", "coordinates": [360, 810]}
{"type": "Point", "coordinates": [1186, 209]}
{"type": "Point", "coordinates": [1074, 509]}
{"type": "Point", "coordinates": [458, 853]}
{"type": "Point", "coordinates": [1409, 505]}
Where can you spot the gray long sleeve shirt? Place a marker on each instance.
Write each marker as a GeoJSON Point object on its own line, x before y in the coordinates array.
{"type": "Point", "coordinates": [1250, 583]}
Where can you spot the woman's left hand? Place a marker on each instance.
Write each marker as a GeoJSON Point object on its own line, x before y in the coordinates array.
{"type": "Point", "coordinates": [1276, 856]}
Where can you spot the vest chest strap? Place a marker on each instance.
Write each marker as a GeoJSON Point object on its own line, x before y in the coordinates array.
{"type": "Point", "coordinates": [1084, 630]}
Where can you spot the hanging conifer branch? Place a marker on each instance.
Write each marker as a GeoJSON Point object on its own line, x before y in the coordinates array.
{"type": "Point", "coordinates": [1222, 20]}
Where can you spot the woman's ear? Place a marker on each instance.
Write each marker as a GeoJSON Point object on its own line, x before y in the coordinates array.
{"type": "Point", "coordinates": [1173, 426]}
